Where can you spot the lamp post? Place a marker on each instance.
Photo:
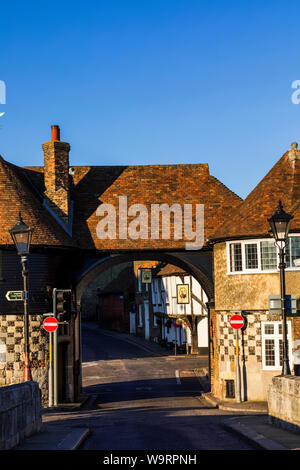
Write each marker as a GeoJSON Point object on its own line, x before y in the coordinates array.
{"type": "Point", "coordinates": [21, 235]}
{"type": "Point", "coordinates": [280, 224]}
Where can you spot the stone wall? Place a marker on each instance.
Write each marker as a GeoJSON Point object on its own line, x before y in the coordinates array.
{"type": "Point", "coordinates": [20, 413]}
{"type": "Point", "coordinates": [12, 351]}
{"type": "Point", "coordinates": [284, 402]}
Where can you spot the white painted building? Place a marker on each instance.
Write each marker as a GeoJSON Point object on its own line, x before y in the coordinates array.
{"type": "Point", "coordinates": [166, 287]}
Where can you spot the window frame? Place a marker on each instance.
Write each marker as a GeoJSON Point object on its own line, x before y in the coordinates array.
{"type": "Point", "coordinates": [276, 336]}
{"type": "Point", "coordinates": [259, 269]}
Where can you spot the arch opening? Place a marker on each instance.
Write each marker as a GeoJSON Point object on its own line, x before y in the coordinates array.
{"type": "Point", "coordinates": [107, 294]}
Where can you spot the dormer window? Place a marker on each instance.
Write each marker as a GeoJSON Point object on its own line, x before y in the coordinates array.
{"type": "Point", "coordinates": [254, 256]}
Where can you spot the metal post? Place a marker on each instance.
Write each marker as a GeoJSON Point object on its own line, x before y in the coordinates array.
{"type": "Point", "coordinates": [285, 358]}
{"type": "Point", "coordinates": [27, 371]}
{"type": "Point", "coordinates": [50, 391]}
{"type": "Point", "coordinates": [55, 365]}
{"type": "Point", "coordinates": [237, 370]}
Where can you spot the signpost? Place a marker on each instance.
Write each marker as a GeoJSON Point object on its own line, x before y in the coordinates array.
{"type": "Point", "coordinates": [50, 324]}
{"type": "Point", "coordinates": [15, 295]}
{"type": "Point", "coordinates": [237, 322]}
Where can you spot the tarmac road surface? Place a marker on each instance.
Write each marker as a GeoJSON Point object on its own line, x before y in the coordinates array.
{"type": "Point", "coordinates": [142, 400]}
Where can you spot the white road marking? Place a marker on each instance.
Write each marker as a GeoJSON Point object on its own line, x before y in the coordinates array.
{"type": "Point", "coordinates": [177, 377]}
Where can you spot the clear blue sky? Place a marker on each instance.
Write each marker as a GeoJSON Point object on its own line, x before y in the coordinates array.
{"type": "Point", "coordinates": [153, 81]}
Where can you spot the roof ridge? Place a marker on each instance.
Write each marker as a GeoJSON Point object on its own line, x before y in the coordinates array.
{"type": "Point", "coordinates": [18, 195]}
{"type": "Point", "coordinates": [250, 217]}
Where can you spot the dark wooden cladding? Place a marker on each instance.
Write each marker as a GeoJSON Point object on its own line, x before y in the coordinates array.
{"type": "Point", "coordinates": [46, 271]}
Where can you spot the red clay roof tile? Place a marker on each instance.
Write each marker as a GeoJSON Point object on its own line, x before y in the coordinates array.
{"type": "Point", "coordinates": [249, 219]}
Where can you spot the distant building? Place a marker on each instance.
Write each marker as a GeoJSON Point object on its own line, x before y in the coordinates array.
{"type": "Point", "coordinates": [187, 321]}
{"type": "Point", "coordinates": [115, 301]}
{"type": "Point", "coordinates": [171, 307]}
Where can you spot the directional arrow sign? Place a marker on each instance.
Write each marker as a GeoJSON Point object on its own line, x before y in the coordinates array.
{"type": "Point", "coordinates": [13, 295]}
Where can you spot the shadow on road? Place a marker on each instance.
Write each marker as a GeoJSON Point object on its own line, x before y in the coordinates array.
{"type": "Point", "coordinates": [144, 389]}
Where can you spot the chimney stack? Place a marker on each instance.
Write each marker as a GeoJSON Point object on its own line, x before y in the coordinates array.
{"type": "Point", "coordinates": [56, 175]}
{"type": "Point", "coordinates": [55, 133]}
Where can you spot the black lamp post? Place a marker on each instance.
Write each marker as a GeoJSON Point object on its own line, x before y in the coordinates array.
{"type": "Point", "coordinates": [280, 224]}
{"type": "Point", "coordinates": [21, 235]}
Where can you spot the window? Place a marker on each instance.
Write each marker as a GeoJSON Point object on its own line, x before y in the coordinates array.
{"type": "Point", "coordinates": [268, 255]}
{"type": "Point", "coordinates": [272, 344]}
{"type": "Point", "coordinates": [235, 257]}
{"type": "Point", "coordinates": [292, 251]}
{"type": "Point", "coordinates": [252, 256]}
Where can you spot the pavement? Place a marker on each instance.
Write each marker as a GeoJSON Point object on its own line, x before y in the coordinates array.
{"type": "Point", "coordinates": [252, 423]}
{"type": "Point", "coordinates": [249, 420]}
{"type": "Point", "coordinates": [54, 434]}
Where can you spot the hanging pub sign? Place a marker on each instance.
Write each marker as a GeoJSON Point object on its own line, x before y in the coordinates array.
{"type": "Point", "coordinates": [146, 276]}
{"type": "Point", "coordinates": [183, 296]}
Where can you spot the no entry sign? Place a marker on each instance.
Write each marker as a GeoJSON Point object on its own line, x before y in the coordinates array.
{"type": "Point", "coordinates": [50, 324]}
{"type": "Point", "coordinates": [237, 322]}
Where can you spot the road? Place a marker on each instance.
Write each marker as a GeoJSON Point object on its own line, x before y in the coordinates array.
{"type": "Point", "coordinates": [145, 401]}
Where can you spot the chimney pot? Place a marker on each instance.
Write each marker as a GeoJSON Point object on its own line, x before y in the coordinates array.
{"type": "Point", "coordinates": [55, 133]}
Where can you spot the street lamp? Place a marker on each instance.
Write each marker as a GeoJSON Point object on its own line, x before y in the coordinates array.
{"type": "Point", "coordinates": [21, 235]}
{"type": "Point", "coordinates": [280, 224]}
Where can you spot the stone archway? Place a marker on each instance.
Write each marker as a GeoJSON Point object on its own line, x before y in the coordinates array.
{"type": "Point", "coordinates": [198, 265]}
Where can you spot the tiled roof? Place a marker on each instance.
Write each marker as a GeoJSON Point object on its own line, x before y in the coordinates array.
{"type": "Point", "coordinates": [249, 219]}
{"type": "Point", "coordinates": [170, 270]}
{"type": "Point", "coordinates": [151, 184]}
{"type": "Point", "coordinates": [18, 195]}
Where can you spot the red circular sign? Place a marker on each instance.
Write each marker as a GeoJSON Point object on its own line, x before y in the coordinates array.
{"type": "Point", "coordinates": [50, 324]}
{"type": "Point", "coordinates": [237, 322]}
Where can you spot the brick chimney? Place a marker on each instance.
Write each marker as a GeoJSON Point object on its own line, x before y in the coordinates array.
{"type": "Point", "coordinates": [294, 155]}
{"type": "Point", "coordinates": [56, 176]}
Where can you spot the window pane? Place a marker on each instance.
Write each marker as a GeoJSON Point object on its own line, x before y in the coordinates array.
{"type": "Point", "coordinates": [270, 352]}
{"type": "Point", "coordinates": [268, 255]}
{"type": "Point", "coordinates": [251, 256]}
{"type": "Point", "coordinates": [236, 257]}
{"type": "Point", "coordinates": [292, 251]}
{"type": "Point", "coordinates": [269, 329]}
